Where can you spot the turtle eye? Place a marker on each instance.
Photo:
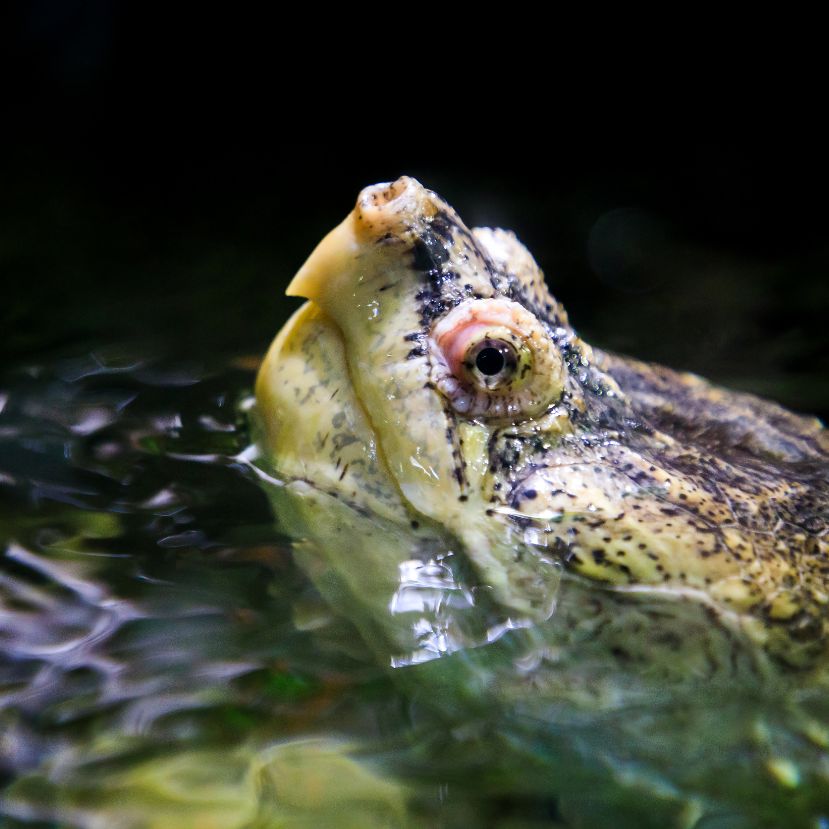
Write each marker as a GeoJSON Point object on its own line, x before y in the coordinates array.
{"type": "Point", "coordinates": [494, 358]}
{"type": "Point", "coordinates": [491, 362]}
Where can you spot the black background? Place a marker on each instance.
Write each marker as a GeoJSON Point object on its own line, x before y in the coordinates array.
{"type": "Point", "coordinates": [164, 176]}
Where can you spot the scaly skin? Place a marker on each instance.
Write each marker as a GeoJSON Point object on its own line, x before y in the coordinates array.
{"type": "Point", "coordinates": [678, 530]}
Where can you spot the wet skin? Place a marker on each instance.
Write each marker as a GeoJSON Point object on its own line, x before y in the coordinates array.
{"type": "Point", "coordinates": [431, 406]}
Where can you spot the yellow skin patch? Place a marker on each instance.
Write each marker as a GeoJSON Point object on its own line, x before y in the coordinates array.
{"type": "Point", "coordinates": [312, 421]}
{"type": "Point", "coordinates": [631, 477]}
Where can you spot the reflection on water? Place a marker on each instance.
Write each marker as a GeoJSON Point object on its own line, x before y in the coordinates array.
{"type": "Point", "coordinates": [166, 664]}
{"type": "Point", "coordinates": [161, 656]}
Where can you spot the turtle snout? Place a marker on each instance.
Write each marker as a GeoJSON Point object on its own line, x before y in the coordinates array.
{"type": "Point", "coordinates": [394, 208]}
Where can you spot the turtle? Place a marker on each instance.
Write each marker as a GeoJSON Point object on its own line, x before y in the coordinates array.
{"type": "Point", "coordinates": [612, 574]}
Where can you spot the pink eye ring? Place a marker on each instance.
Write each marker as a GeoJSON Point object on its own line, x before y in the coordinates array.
{"type": "Point", "coordinates": [493, 358]}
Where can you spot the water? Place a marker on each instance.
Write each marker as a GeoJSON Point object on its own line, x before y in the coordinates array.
{"type": "Point", "coordinates": [150, 610]}
{"type": "Point", "coordinates": [164, 660]}
{"type": "Point", "coordinates": [166, 663]}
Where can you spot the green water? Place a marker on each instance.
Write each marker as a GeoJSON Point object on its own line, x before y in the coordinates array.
{"type": "Point", "coordinates": [162, 655]}
{"type": "Point", "coordinates": [165, 663]}
{"type": "Point", "coordinates": [149, 608]}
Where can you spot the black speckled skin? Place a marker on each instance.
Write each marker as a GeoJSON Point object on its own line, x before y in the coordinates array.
{"type": "Point", "coordinates": [635, 477]}
{"type": "Point", "coordinates": [705, 488]}
{"type": "Point", "coordinates": [629, 576]}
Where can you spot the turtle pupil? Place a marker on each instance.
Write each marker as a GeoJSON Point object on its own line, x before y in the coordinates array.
{"type": "Point", "coordinates": [490, 361]}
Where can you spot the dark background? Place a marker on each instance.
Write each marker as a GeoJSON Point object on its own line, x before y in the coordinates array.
{"type": "Point", "coordinates": [141, 202]}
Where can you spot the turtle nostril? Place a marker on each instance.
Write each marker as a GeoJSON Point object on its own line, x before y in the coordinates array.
{"type": "Point", "coordinates": [389, 198]}
{"type": "Point", "coordinates": [382, 194]}
{"type": "Point", "coordinates": [394, 208]}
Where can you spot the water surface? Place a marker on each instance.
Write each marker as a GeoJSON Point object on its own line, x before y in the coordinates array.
{"type": "Point", "coordinates": [151, 613]}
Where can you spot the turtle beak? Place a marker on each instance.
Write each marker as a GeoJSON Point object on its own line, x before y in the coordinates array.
{"type": "Point", "coordinates": [329, 261]}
